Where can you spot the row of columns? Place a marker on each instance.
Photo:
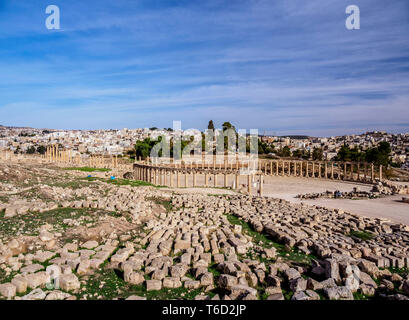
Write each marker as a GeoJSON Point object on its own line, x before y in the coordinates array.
{"type": "Point", "coordinates": [229, 162]}
{"type": "Point", "coordinates": [166, 177]}
{"type": "Point", "coordinates": [328, 170]}
{"type": "Point", "coordinates": [53, 154]}
{"type": "Point", "coordinates": [7, 155]}
{"type": "Point", "coordinates": [344, 170]}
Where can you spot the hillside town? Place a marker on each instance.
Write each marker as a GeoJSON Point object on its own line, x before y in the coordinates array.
{"type": "Point", "coordinates": [119, 142]}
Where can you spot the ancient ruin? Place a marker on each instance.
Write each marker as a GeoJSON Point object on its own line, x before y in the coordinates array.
{"type": "Point", "coordinates": [187, 231]}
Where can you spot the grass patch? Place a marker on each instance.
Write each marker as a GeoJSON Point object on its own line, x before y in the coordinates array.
{"type": "Point", "coordinates": [291, 255]}
{"type": "Point", "coordinates": [30, 222]}
{"type": "Point", "coordinates": [363, 235]}
{"type": "Point", "coordinates": [107, 285]}
{"type": "Point", "coordinates": [167, 204]}
{"type": "Point", "coordinates": [123, 182]}
{"type": "Point", "coordinates": [212, 268]}
{"type": "Point", "coordinates": [360, 296]}
{"type": "Point", "coordinates": [73, 184]}
{"type": "Point", "coordinates": [88, 169]}
{"type": "Point", "coordinates": [403, 272]}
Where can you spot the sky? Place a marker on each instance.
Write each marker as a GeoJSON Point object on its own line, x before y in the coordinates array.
{"type": "Point", "coordinates": [280, 66]}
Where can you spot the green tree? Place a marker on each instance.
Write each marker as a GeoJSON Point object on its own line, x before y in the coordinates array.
{"type": "Point", "coordinates": [297, 153]}
{"type": "Point", "coordinates": [31, 150]}
{"type": "Point", "coordinates": [317, 154]}
{"type": "Point", "coordinates": [285, 152]}
{"type": "Point", "coordinates": [228, 125]}
{"type": "Point", "coordinates": [343, 154]}
{"type": "Point", "coordinates": [380, 154]}
{"type": "Point", "coordinates": [41, 149]}
{"type": "Point", "coordinates": [143, 148]}
{"type": "Point", "coordinates": [210, 126]}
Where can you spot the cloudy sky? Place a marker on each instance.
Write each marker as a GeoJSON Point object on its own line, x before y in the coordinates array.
{"type": "Point", "coordinates": [281, 66]}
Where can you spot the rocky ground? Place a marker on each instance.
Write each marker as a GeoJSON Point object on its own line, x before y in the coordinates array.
{"type": "Point", "coordinates": [381, 189]}
{"type": "Point", "coordinates": [66, 236]}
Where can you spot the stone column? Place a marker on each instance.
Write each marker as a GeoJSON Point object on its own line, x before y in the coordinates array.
{"type": "Point", "coordinates": [295, 168]}
{"type": "Point", "coordinates": [380, 172]}
{"type": "Point", "coordinates": [237, 181]}
{"type": "Point", "coordinates": [186, 180]}
{"type": "Point", "coordinates": [358, 169]}
{"type": "Point", "coordinates": [325, 170]}
{"type": "Point", "coordinates": [372, 173]}
{"type": "Point", "coordinates": [171, 178]}
{"type": "Point", "coordinates": [261, 185]}
{"type": "Point", "coordinates": [345, 171]}
{"type": "Point", "coordinates": [313, 169]}
{"type": "Point", "coordinates": [352, 171]}
{"type": "Point", "coordinates": [307, 174]}
{"type": "Point", "coordinates": [332, 170]}
{"type": "Point", "coordinates": [271, 168]}
{"type": "Point", "coordinates": [249, 184]}
{"type": "Point", "coordinates": [178, 179]}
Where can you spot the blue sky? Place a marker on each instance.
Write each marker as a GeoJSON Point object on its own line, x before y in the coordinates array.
{"type": "Point", "coordinates": [281, 66]}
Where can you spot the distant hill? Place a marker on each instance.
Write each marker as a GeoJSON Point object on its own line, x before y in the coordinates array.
{"type": "Point", "coordinates": [295, 137]}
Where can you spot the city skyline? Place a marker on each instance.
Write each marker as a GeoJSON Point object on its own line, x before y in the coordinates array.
{"type": "Point", "coordinates": [288, 68]}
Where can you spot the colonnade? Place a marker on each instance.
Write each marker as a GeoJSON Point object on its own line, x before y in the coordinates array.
{"type": "Point", "coordinates": [184, 179]}
{"type": "Point", "coordinates": [352, 171]}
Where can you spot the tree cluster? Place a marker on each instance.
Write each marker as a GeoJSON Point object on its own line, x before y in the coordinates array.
{"type": "Point", "coordinates": [379, 155]}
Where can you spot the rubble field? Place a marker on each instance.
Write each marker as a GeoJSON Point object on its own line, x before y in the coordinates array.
{"type": "Point", "coordinates": [67, 236]}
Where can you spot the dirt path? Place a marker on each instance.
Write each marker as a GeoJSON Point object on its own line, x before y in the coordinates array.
{"type": "Point", "coordinates": [288, 187]}
{"type": "Point", "coordinates": [390, 207]}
